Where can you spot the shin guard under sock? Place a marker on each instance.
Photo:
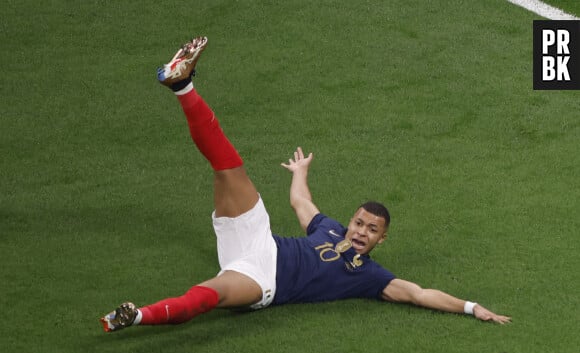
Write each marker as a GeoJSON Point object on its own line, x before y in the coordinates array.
{"type": "Point", "coordinates": [197, 300]}
{"type": "Point", "coordinates": [207, 134]}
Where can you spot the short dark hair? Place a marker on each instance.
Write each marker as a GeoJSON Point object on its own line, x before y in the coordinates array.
{"type": "Point", "coordinates": [378, 209]}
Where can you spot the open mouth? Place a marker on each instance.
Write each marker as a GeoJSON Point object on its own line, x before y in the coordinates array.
{"type": "Point", "coordinates": [357, 244]}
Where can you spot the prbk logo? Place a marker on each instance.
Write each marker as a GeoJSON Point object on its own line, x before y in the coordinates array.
{"type": "Point", "coordinates": [556, 55]}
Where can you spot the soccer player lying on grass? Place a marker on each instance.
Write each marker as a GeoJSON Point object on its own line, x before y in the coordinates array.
{"type": "Point", "coordinates": [258, 268]}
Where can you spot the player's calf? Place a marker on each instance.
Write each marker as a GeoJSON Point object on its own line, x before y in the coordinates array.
{"type": "Point", "coordinates": [204, 128]}
{"type": "Point", "coordinates": [196, 301]}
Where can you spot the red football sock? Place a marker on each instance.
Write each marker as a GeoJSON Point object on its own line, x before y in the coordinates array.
{"type": "Point", "coordinates": [207, 133]}
{"type": "Point", "coordinates": [197, 300]}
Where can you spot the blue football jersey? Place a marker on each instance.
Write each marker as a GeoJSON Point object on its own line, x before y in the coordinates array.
{"type": "Point", "coordinates": [323, 266]}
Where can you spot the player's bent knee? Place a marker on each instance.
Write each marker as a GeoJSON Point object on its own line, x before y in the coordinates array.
{"type": "Point", "coordinates": [235, 289]}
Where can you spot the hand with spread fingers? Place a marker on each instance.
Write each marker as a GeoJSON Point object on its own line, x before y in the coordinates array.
{"type": "Point", "coordinates": [299, 161]}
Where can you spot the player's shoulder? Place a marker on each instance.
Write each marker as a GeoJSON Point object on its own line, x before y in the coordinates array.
{"type": "Point", "coordinates": [323, 223]}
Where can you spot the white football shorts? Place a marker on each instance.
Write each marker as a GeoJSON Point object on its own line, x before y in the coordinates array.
{"type": "Point", "coordinates": [245, 245]}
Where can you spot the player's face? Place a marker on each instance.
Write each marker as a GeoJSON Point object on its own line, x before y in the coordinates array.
{"type": "Point", "coordinates": [365, 231]}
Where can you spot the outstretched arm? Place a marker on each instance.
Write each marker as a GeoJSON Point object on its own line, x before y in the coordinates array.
{"type": "Point", "coordinates": [402, 291]}
{"type": "Point", "coordinates": [300, 198]}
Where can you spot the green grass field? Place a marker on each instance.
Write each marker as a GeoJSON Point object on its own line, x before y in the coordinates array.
{"type": "Point", "coordinates": [425, 105]}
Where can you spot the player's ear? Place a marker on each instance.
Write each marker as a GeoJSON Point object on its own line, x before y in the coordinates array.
{"type": "Point", "coordinates": [383, 236]}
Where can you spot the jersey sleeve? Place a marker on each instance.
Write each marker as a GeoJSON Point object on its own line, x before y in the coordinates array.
{"type": "Point", "coordinates": [382, 278]}
{"type": "Point", "coordinates": [314, 223]}
{"type": "Point", "coordinates": [323, 223]}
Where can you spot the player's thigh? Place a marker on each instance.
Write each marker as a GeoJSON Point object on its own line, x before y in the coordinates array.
{"type": "Point", "coordinates": [235, 289]}
{"type": "Point", "coordinates": [234, 192]}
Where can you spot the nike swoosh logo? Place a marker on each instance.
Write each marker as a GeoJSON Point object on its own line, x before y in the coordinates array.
{"type": "Point", "coordinates": [332, 232]}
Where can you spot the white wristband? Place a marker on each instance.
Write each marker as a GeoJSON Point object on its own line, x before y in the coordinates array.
{"type": "Point", "coordinates": [468, 307]}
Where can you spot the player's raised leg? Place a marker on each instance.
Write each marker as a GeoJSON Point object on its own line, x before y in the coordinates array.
{"type": "Point", "coordinates": [234, 192]}
{"type": "Point", "coordinates": [234, 195]}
